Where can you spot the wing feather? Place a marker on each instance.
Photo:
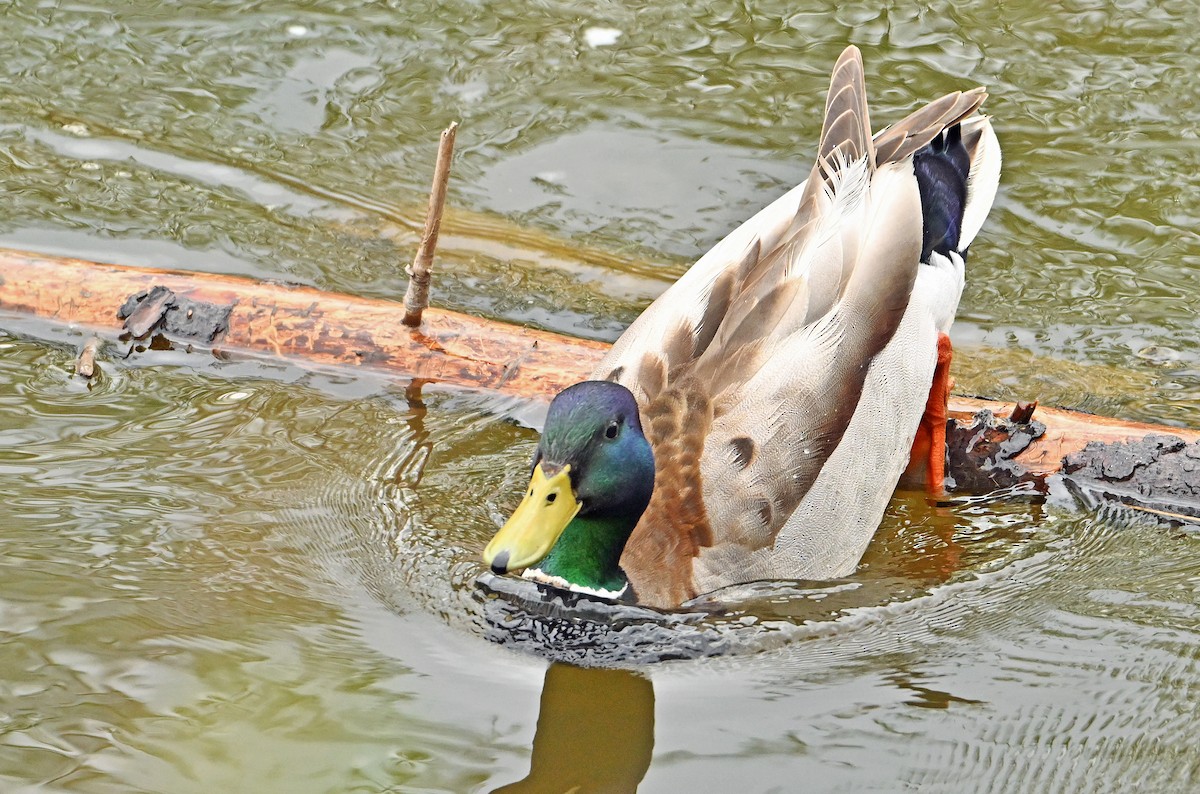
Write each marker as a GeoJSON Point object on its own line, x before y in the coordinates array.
{"type": "Point", "coordinates": [797, 412]}
{"type": "Point", "coordinates": [846, 132]}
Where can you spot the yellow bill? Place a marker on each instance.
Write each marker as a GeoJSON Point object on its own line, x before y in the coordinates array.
{"type": "Point", "coordinates": [536, 524]}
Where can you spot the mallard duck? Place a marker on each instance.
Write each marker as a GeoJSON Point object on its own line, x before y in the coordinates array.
{"type": "Point", "coordinates": [754, 421]}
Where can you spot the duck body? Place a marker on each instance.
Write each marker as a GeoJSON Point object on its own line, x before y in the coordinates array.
{"type": "Point", "coordinates": [779, 384]}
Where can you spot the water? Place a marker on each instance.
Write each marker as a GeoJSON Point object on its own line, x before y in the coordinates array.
{"type": "Point", "coordinates": [228, 576]}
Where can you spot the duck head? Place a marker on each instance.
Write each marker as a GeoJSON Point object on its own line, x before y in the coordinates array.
{"type": "Point", "coordinates": [593, 474]}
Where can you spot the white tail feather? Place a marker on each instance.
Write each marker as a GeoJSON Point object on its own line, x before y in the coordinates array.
{"type": "Point", "coordinates": [982, 182]}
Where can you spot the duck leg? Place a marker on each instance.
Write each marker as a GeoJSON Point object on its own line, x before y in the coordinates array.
{"type": "Point", "coordinates": [929, 446]}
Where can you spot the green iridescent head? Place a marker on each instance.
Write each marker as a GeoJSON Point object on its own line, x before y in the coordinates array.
{"type": "Point", "coordinates": [593, 474]}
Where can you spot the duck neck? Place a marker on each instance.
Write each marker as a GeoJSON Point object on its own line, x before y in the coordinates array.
{"type": "Point", "coordinates": [587, 556]}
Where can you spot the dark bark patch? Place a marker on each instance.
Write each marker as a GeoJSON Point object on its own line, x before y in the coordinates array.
{"type": "Point", "coordinates": [1158, 473]}
{"type": "Point", "coordinates": [980, 455]}
{"type": "Point", "coordinates": [180, 317]}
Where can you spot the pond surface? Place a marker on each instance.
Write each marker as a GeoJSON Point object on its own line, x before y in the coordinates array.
{"type": "Point", "coordinates": [230, 576]}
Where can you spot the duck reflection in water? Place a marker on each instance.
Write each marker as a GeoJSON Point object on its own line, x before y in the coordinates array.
{"type": "Point", "coordinates": [595, 732]}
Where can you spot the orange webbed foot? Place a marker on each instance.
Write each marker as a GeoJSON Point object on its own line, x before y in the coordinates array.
{"type": "Point", "coordinates": [929, 446]}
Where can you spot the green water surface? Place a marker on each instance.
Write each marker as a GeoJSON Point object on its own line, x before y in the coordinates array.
{"type": "Point", "coordinates": [222, 575]}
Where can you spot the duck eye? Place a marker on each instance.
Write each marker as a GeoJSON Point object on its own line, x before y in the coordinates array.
{"type": "Point", "coordinates": [611, 431]}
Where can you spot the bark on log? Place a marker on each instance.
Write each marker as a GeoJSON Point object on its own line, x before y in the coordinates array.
{"type": "Point", "coordinates": [330, 330]}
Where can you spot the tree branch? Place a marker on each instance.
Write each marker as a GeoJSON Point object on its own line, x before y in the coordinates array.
{"type": "Point", "coordinates": [416, 297]}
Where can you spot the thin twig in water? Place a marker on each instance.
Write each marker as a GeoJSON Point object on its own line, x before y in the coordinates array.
{"type": "Point", "coordinates": [416, 298]}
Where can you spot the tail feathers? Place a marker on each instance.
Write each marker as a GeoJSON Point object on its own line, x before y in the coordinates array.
{"type": "Point", "coordinates": [957, 171]}
{"type": "Point", "coordinates": [984, 178]}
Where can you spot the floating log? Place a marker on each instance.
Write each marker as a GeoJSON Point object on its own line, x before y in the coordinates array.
{"type": "Point", "coordinates": [297, 323]}
{"type": "Point", "coordinates": [987, 450]}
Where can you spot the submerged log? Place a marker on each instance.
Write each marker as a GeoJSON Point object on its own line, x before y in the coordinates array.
{"type": "Point", "coordinates": [320, 329]}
